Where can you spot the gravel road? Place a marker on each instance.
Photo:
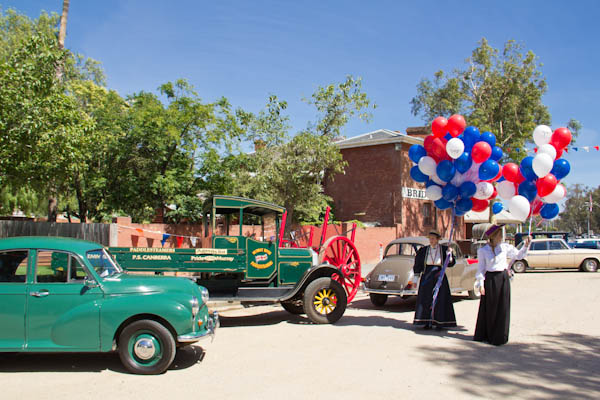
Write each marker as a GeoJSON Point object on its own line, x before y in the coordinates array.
{"type": "Point", "coordinates": [266, 353]}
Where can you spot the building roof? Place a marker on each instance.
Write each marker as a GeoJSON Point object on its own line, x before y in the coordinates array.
{"type": "Point", "coordinates": [380, 136]}
{"type": "Point", "coordinates": [503, 217]}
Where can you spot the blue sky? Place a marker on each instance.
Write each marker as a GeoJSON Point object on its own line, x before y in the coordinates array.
{"type": "Point", "coordinates": [247, 50]}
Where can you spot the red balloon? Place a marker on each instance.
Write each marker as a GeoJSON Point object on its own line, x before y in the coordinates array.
{"type": "Point", "coordinates": [521, 178]}
{"type": "Point", "coordinates": [558, 151]}
{"type": "Point", "coordinates": [510, 171]}
{"type": "Point", "coordinates": [438, 147]}
{"type": "Point", "coordinates": [479, 205]}
{"type": "Point", "coordinates": [481, 152]}
{"type": "Point", "coordinates": [536, 207]}
{"type": "Point", "coordinates": [428, 144]}
{"type": "Point", "coordinates": [456, 125]}
{"type": "Point", "coordinates": [493, 196]}
{"type": "Point", "coordinates": [561, 138]}
{"type": "Point", "coordinates": [546, 185]}
{"type": "Point", "coordinates": [439, 126]}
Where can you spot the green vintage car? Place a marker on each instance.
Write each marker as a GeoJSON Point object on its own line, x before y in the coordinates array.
{"type": "Point", "coordinates": [69, 295]}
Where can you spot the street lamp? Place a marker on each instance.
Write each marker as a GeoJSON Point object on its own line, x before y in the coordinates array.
{"type": "Point", "coordinates": [589, 208]}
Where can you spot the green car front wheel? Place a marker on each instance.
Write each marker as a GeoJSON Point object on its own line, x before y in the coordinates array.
{"type": "Point", "coordinates": [146, 347]}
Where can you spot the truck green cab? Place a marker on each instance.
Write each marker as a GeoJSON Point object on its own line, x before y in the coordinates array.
{"type": "Point", "coordinates": [69, 295]}
{"type": "Point", "coordinates": [252, 269]}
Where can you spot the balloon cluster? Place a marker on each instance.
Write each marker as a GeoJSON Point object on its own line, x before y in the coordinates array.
{"type": "Point", "coordinates": [459, 166]}
{"type": "Point", "coordinates": [533, 188]}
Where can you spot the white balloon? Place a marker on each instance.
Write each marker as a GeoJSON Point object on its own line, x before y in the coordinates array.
{"type": "Point", "coordinates": [519, 207]}
{"type": "Point", "coordinates": [506, 190]}
{"type": "Point", "coordinates": [547, 149]}
{"type": "Point", "coordinates": [542, 164]}
{"type": "Point", "coordinates": [542, 135]}
{"type": "Point", "coordinates": [427, 165]}
{"type": "Point", "coordinates": [433, 192]}
{"type": "Point", "coordinates": [557, 195]}
{"type": "Point", "coordinates": [455, 147]}
{"type": "Point", "coordinates": [484, 190]}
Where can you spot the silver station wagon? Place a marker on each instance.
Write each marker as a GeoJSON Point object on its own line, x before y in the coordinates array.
{"type": "Point", "coordinates": [394, 276]}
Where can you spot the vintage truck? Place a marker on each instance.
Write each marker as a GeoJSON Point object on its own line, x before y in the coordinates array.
{"type": "Point", "coordinates": [254, 269]}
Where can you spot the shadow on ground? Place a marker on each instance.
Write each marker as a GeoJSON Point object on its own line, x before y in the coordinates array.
{"type": "Point", "coordinates": [561, 366]}
{"type": "Point", "coordinates": [86, 362]}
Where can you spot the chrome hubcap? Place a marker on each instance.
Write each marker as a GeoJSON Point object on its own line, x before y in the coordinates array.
{"type": "Point", "coordinates": [144, 349]}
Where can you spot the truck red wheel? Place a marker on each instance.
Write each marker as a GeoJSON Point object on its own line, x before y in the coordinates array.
{"type": "Point", "coordinates": [340, 252]}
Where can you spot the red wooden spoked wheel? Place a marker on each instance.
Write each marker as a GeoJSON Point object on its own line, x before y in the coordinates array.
{"type": "Point", "coordinates": [340, 252]}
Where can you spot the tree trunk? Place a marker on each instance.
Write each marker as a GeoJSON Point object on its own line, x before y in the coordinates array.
{"type": "Point", "coordinates": [62, 33]}
{"type": "Point", "coordinates": [288, 222]}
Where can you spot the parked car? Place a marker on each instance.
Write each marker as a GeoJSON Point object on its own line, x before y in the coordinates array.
{"type": "Point", "coordinates": [555, 253]}
{"type": "Point", "coordinates": [69, 295]}
{"type": "Point", "coordinates": [587, 243]}
{"type": "Point", "coordinates": [394, 276]}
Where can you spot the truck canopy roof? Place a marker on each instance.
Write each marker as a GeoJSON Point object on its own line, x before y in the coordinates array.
{"type": "Point", "coordinates": [231, 204]}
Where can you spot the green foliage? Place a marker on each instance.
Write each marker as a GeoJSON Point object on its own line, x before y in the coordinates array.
{"type": "Point", "coordinates": [497, 90]}
{"type": "Point", "coordinates": [574, 218]}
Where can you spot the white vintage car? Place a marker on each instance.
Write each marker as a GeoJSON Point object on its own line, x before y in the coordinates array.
{"type": "Point", "coordinates": [555, 253]}
{"type": "Point", "coordinates": [393, 276]}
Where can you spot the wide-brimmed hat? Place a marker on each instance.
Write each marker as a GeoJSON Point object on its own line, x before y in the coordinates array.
{"type": "Point", "coordinates": [492, 229]}
{"type": "Point", "coordinates": [433, 232]}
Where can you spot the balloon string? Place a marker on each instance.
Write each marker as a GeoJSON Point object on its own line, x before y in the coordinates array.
{"type": "Point", "coordinates": [530, 217]}
{"type": "Point", "coordinates": [438, 284]}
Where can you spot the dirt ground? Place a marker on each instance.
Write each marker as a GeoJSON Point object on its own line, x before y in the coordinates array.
{"type": "Point", "coordinates": [266, 353]}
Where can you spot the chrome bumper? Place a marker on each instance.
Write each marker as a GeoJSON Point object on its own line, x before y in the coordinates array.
{"type": "Point", "coordinates": [401, 292]}
{"type": "Point", "coordinates": [212, 324]}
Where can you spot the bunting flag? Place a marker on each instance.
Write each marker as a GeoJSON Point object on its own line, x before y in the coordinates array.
{"type": "Point", "coordinates": [179, 241]}
{"type": "Point", "coordinates": [193, 241]}
{"type": "Point", "coordinates": [140, 231]}
{"type": "Point", "coordinates": [165, 237]}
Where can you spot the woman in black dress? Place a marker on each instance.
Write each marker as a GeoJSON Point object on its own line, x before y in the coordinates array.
{"type": "Point", "coordinates": [428, 262]}
{"type": "Point", "coordinates": [493, 280]}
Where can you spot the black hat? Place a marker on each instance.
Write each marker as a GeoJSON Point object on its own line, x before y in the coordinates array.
{"type": "Point", "coordinates": [433, 232]}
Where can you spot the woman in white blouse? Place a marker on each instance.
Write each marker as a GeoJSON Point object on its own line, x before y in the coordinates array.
{"type": "Point", "coordinates": [493, 281]}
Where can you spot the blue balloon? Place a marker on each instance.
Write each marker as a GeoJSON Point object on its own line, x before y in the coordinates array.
{"type": "Point", "coordinates": [497, 153]}
{"type": "Point", "coordinates": [430, 183]}
{"type": "Point", "coordinates": [416, 152]}
{"type": "Point", "coordinates": [442, 204]}
{"type": "Point", "coordinates": [497, 208]}
{"type": "Point", "coordinates": [501, 179]}
{"type": "Point", "coordinates": [488, 170]}
{"type": "Point", "coordinates": [464, 205]}
{"type": "Point", "coordinates": [445, 170]}
{"type": "Point", "coordinates": [459, 213]}
{"type": "Point", "coordinates": [467, 189]}
{"type": "Point", "coordinates": [417, 175]}
{"type": "Point", "coordinates": [464, 162]}
{"type": "Point", "coordinates": [447, 136]}
{"type": "Point", "coordinates": [449, 192]}
{"type": "Point", "coordinates": [549, 211]}
{"type": "Point", "coordinates": [527, 169]}
{"type": "Point", "coordinates": [470, 137]}
{"type": "Point", "coordinates": [489, 137]}
{"type": "Point", "coordinates": [561, 168]}
{"type": "Point", "coordinates": [528, 190]}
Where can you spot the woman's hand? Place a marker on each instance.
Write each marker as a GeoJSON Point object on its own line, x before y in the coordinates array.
{"type": "Point", "coordinates": [527, 240]}
{"type": "Point", "coordinates": [482, 291]}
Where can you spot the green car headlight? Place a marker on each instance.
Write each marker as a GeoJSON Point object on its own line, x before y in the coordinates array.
{"type": "Point", "coordinates": [195, 306]}
{"type": "Point", "coordinates": [204, 294]}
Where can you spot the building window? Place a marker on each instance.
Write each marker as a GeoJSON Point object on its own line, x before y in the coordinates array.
{"type": "Point", "coordinates": [427, 214]}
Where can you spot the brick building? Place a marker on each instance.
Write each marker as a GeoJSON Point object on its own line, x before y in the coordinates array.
{"type": "Point", "coordinates": [376, 187]}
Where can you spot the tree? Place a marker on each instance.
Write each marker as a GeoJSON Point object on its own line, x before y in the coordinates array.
{"type": "Point", "coordinates": [574, 218]}
{"type": "Point", "coordinates": [498, 90]}
{"type": "Point", "coordinates": [291, 171]}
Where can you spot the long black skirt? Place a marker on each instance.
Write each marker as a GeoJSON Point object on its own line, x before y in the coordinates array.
{"type": "Point", "coordinates": [443, 315]}
{"type": "Point", "coordinates": [493, 319]}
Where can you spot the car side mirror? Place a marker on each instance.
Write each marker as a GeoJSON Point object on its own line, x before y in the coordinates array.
{"type": "Point", "coordinates": [90, 283]}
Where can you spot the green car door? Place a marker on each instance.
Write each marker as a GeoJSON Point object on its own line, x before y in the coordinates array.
{"type": "Point", "coordinates": [63, 313]}
{"type": "Point", "coordinates": [13, 297]}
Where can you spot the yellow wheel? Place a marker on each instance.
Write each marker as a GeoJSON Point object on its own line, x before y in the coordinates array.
{"type": "Point", "coordinates": [325, 301]}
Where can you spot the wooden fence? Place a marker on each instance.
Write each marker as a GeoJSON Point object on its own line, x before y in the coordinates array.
{"type": "Point", "coordinates": [105, 234]}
